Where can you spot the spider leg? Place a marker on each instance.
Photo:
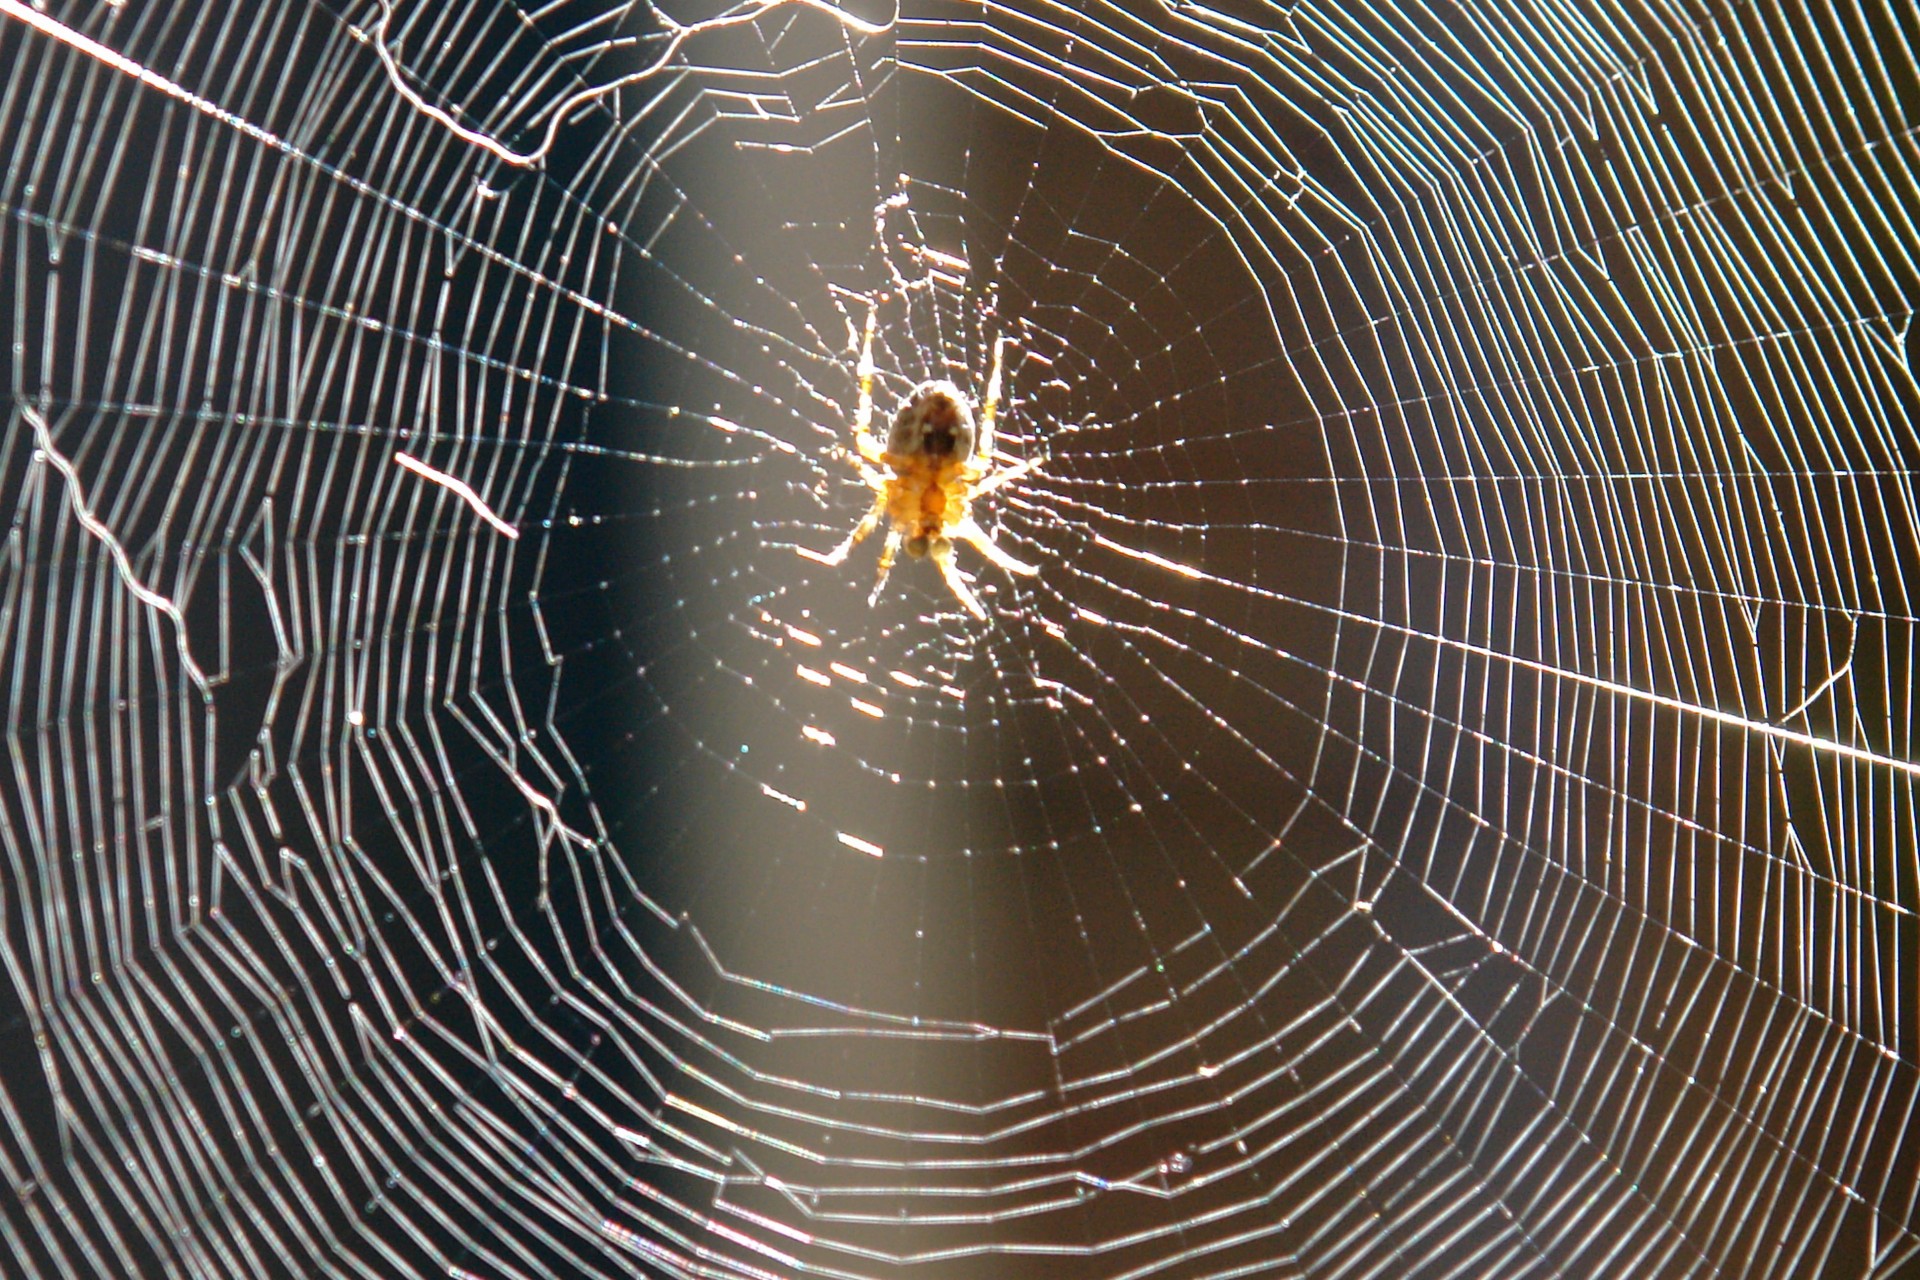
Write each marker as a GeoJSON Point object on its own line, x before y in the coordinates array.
{"type": "Point", "coordinates": [861, 530]}
{"type": "Point", "coordinates": [1005, 474]}
{"type": "Point", "coordinates": [863, 438]}
{"type": "Point", "coordinates": [887, 554]}
{"type": "Point", "coordinates": [943, 556]}
{"type": "Point", "coordinates": [990, 407]}
{"type": "Point", "coordinates": [969, 530]}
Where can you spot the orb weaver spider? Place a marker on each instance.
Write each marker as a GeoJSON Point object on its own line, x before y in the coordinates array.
{"type": "Point", "coordinates": [936, 464]}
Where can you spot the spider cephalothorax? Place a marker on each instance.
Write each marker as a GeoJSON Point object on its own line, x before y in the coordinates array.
{"type": "Point", "coordinates": [937, 462]}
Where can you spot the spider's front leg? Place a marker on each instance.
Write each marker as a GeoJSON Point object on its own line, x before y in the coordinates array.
{"type": "Point", "coordinates": [1003, 475]}
{"type": "Point", "coordinates": [981, 476]}
{"type": "Point", "coordinates": [864, 441]}
{"type": "Point", "coordinates": [990, 408]}
{"type": "Point", "coordinates": [870, 450]}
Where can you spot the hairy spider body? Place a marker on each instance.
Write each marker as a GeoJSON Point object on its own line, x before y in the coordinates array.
{"type": "Point", "coordinates": [930, 452]}
{"type": "Point", "coordinates": [939, 462]}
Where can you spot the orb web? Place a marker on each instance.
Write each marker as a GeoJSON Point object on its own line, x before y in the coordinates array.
{"type": "Point", "coordinates": [1445, 805]}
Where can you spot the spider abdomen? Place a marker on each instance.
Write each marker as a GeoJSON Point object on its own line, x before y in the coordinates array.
{"type": "Point", "coordinates": [935, 422]}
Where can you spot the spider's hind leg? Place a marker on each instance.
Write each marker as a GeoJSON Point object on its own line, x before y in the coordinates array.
{"type": "Point", "coordinates": [887, 553]}
{"type": "Point", "coordinates": [969, 530]}
{"type": "Point", "coordinates": [942, 553]}
{"type": "Point", "coordinates": [853, 539]}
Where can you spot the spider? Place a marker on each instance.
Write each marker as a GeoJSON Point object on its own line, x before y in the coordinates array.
{"type": "Point", "coordinates": [939, 464]}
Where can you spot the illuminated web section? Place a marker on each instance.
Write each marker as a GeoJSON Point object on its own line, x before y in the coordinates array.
{"type": "Point", "coordinates": [1443, 807]}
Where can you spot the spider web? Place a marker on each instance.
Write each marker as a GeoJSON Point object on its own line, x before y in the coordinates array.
{"type": "Point", "coordinates": [1445, 806]}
